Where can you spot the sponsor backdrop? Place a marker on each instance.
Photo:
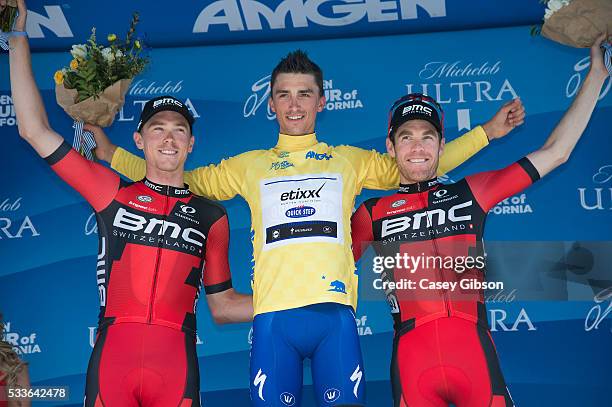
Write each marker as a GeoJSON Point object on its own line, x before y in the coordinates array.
{"type": "Point", "coordinates": [553, 352]}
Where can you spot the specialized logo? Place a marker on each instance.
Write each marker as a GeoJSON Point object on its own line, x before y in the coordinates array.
{"type": "Point", "coordinates": [135, 223]}
{"type": "Point", "coordinates": [331, 395]}
{"type": "Point", "coordinates": [302, 194]}
{"type": "Point", "coordinates": [337, 286]}
{"type": "Point", "coordinates": [287, 399]}
{"type": "Point", "coordinates": [416, 108]}
{"type": "Point", "coordinates": [356, 378]}
{"type": "Point", "coordinates": [259, 382]}
{"type": "Point", "coordinates": [400, 224]}
{"type": "Point", "coordinates": [145, 198]}
{"type": "Point", "coordinates": [318, 156]}
{"type": "Point", "coordinates": [300, 212]}
{"type": "Point", "coordinates": [398, 203]}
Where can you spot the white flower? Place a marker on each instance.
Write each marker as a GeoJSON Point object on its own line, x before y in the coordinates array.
{"type": "Point", "coordinates": [79, 51]}
{"type": "Point", "coordinates": [553, 6]}
{"type": "Point", "coordinates": [109, 56]}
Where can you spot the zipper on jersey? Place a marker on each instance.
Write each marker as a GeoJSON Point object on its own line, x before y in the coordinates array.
{"type": "Point", "coordinates": [158, 258]}
{"type": "Point", "coordinates": [437, 253]}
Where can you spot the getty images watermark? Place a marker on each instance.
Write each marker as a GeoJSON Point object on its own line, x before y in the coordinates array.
{"type": "Point", "coordinates": [403, 271]}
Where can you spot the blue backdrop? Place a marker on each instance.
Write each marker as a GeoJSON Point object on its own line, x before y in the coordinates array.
{"type": "Point", "coordinates": [550, 352]}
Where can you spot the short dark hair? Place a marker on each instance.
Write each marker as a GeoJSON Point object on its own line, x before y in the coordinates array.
{"type": "Point", "coordinates": [298, 62]}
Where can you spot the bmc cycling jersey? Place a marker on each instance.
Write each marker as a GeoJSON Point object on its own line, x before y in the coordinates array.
{"type": "Point", "coordinates": [154, 241]}
{"type": "Point", "coordinates": [439, 222]}
{"type": "Point", "coordinates": [435, 221]}
{"type": "Point", "coordinates": [301, 194]}
{"type": "Point", "coordinates": [157, 245]}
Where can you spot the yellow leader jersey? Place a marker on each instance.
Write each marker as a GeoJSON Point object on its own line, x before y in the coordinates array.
{"type": "Point", "coordinates": [301, 194]}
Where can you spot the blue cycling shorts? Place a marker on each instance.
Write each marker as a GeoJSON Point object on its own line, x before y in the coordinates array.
{"type": "Point", "coordinates": [327, 334]}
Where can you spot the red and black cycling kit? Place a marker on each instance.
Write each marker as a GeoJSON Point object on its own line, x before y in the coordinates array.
{"type": "Point", "coordinates": [442, 351]}
{"type": "Point", "coordinates": [157, 245]}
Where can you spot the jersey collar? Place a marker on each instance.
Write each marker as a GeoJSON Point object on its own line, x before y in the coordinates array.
{"type": "Point", "coordinates": [167, 189]}
{"type": "Point", "coordinates": [418, 186]}
{"type": "Point", "coordinates": [296, 143]}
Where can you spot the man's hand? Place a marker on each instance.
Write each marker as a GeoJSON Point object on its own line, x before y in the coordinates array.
{"type": "Point", "coordinates": [104, 148]}
{"type": "Point", "coordinates": [598, 69]}
{"type": "Point", "coordinates": [510, 115]}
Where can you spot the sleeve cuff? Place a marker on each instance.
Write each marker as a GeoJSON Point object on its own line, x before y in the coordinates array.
{"type": "Point", "coordinates": [481, 136]}
{"type": "Point", "coordinates": [529, 168]}
{"type": "Point", "coordinates": [217, 288]}
{"type": "Point", "coordinates": [58, 154]}
{"type": "Point", "coordinates": [117, 157]}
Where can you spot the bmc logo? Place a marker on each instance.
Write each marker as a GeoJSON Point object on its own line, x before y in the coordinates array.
{"type": "Point", "coordinates": [397, 225]}
{"type": "Point", "coordinates": [417, 109]}
{"type": "Point", "coordinates": [132, 222]}
{"type": "Point", "coordinates": [167, 101]}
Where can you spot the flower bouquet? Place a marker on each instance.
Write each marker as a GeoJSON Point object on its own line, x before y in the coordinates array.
{"type": "Point", "coordinates": [577, 23]}
{"type": "Point", "coordinates": [92, 88]}
{"type": "Point", "coordinates": [7, 19]}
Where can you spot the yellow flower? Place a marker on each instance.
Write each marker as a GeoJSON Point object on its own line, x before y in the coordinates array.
{"type": "Point", "coordinates": [59, 77]}
{"type": "Point", "coordinates": [111, 37]}
{"type": "Point", "coordinates": [74, 64]}
{"type": "Point", "coordinates": [137, 44]}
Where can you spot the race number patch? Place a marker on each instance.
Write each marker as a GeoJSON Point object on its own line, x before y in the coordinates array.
{"type": "Point", "coordinates": [302, 208]}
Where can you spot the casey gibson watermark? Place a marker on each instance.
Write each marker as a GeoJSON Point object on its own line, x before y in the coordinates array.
{"type": "Point", "coordinates": [424, 273]}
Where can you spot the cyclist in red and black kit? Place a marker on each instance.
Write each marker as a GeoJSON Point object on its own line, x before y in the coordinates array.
{"type": "Point", "coordinates": [442, 351]}
{"type": "Point", "coordinates": [158, 245]}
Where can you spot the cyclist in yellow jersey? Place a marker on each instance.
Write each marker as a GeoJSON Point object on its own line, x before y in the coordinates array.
{"type": "Point", "coordinates": [301, 194]}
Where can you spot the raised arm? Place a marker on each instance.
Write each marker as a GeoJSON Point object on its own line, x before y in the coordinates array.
{"type": "Point", "coordinates": [94, 182]}
{"type": "Point", "coordinates": [32, 119]}
{"type": "Point", "coordinates": [566, 134]}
